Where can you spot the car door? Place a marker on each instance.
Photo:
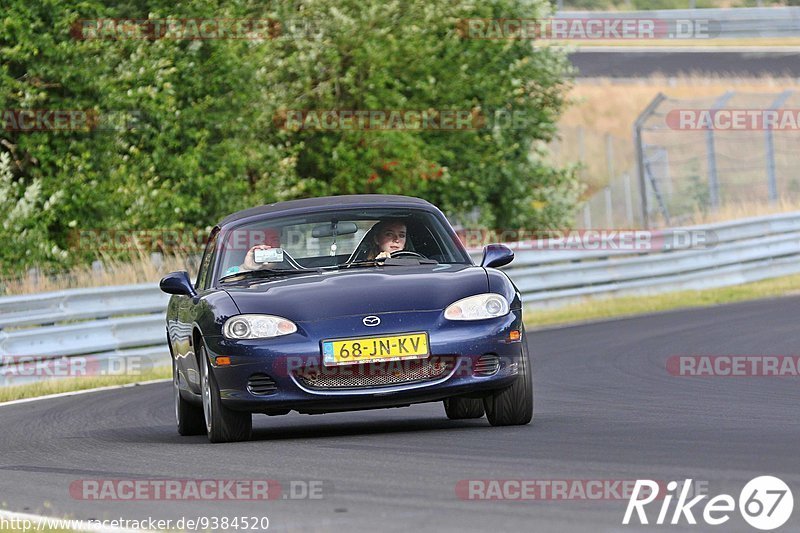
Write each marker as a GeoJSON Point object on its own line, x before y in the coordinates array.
{"type": "Point", "coordinates": [187, 316]}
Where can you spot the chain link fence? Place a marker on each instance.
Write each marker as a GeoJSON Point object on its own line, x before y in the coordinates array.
{"type": "Point", "coordinates": [606, 166]}
{"type": "Point", "coordinates": [699, 156]}
{"type": "Point", "coordinates": [689, 160]}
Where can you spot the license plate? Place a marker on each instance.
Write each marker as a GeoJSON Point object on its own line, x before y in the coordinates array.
{"type": "Point", "coordinates": [375, 349]}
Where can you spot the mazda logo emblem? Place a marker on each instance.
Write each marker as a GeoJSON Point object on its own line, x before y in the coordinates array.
{"type": "Point", "coordinates": [371, 321]}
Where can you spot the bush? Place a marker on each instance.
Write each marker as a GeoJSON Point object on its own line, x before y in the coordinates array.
{"type": "Point", "coordinates": [188, 126]}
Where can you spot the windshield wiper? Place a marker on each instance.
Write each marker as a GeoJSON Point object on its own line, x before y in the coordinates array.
{"type": "Point", "coordinates": [365, 262]}
{"type": "Point", "coordinates": [390, 261]}
{"type": "Point", "coordinates": [266, 273]}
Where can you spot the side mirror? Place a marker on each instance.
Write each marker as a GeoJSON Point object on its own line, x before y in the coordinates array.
{"type": "Point", "coordinates": [496, 255]}
{"type": "Point", "coordinates": [177, 283]}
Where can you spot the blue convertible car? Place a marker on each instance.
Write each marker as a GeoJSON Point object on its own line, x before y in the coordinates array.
{"type": "Point", "coordinates": [344, 303]}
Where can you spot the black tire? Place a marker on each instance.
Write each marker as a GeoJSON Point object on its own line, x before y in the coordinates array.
{"type": "Point", "coordinates": [513, 406]}
{"type": "Point", "coordinates": [188, 416]}
{"type": "Point", "coordinates": [222, 424]}
{"type": "Point", "coordinates": [463, 408]}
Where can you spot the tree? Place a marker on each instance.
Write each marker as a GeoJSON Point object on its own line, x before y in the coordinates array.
{"type": "Point", "coordinates": [189, 130]}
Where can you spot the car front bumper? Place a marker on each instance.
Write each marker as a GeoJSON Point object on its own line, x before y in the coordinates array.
{"type": "Point", "coordinates": [460, 344]}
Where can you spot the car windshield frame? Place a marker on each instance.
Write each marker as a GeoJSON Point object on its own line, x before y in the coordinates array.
{"type": "Point", "coordinates": [446, 238]}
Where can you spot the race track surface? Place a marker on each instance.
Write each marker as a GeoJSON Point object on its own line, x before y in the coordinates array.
{"type": "Point", "coordinates": [606, 409]}
{"type": "Point", "coordinates": [626, 64]}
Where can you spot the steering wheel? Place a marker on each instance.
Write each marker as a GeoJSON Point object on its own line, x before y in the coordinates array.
{"type": "Point", "coordinates": [406, 253]}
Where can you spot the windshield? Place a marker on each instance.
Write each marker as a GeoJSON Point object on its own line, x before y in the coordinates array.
{"type": "Point", "coordinates": [334, 239]}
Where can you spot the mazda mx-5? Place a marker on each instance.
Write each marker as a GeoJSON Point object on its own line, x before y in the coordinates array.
{"type": "Point", "coordinates": [344, 303]}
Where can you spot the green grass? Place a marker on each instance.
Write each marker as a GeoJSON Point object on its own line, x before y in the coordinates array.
{"type": "Point", "coordinates": [598, 309]}
{"type": "Point", "coordinates": [43, 388]}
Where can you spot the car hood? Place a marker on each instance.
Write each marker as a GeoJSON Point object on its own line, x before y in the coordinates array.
{"type": "Point", "coordinates": [364, 291]}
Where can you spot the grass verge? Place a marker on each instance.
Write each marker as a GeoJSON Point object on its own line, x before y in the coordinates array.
{"type": "Point", "coordinates": [598, 309]}
{"type": "Point", "coordinates": [55, 386]}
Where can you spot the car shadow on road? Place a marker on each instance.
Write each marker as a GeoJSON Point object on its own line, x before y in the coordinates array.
{"type": "Point", "coordinates": [302, 427]}
{"type": "Point", "coordinates": [313, 429]}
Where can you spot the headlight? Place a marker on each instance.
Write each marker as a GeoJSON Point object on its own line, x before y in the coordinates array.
{"type": "Point", "coordinates": [257, 327]}
{"type": "Point", "coordinates": [478, 307]}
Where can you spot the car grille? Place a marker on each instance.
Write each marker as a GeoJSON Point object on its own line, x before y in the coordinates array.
{"type": "Point", "coordinates": [261, 384]}
{"type": "Point", "coordinates": [374, 374]}
{"type": "Point", "coordinates": [486, 365]}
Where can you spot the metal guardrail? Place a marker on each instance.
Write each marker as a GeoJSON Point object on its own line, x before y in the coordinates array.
{"type": "Point", "coordinates": [77, 304]}
{"type": "Point", "coordinates": [745, 250]}
{"type": "Point", "coordinates": [126, 321]}
{"type": "Point", "coordinates": [104, 325]}
{"type": "Point", "coordinates": [741, 22]}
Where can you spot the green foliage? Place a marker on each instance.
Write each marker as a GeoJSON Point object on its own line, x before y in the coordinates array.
{"type": "Point", "coordinates": [622, 5]}
{"type": "Point", "coordinates": [188, 129]}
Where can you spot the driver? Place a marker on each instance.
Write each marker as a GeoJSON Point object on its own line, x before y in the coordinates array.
{"type": "Point", "coordinates": [388, 236]}
{"type": "Point", "coordinates": [250, 261]}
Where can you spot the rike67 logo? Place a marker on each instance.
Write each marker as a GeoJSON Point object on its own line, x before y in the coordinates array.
{"type": "Point", "coordinates": [765, 503]}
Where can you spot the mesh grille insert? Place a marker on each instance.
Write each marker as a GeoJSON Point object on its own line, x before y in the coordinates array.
{"type": "Point", "coordinates": [373, 374]}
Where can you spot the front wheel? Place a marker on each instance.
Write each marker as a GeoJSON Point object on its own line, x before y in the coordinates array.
{"type": "Point", "coordinates": [222, 424]}
{"type": "Point", "coordinates": [463, 408]}
{"type": "Point", "coordinates": [513, 406]}
{"type": "Point", "coordinates": [188, 416]}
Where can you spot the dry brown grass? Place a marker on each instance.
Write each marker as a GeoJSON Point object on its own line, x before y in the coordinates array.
{"type": "Point", "coordinates": [605, 108]}
{"type": "Point", "coordinates": [605, 105]}
{"type": "Point", "coordinates": [743, 210]}
{"type": "Point", "coordinates": [138, 268]}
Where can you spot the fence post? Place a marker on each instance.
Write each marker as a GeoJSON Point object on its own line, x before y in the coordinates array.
{"type": "Point", "coordinates": [610, 156]}
{"type": "Point", "coordinates": [628, 199]}
{"type": "Point", "coordinates": [638, 145]}
{"type": "Point", "coordinates": [713, 178]}
{"type": "Point", "coordinates": [772, 180]}
{"type": "Point", "coordinates": [609, 209]}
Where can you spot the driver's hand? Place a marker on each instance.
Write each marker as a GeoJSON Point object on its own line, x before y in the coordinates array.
{"type": "Point", "coordinates": [250, 258]}
{"type": "Point", "coordinates": [383, 255]}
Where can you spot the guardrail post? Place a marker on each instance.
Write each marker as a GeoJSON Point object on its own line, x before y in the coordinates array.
{"type": "Point", "coordinates": [772, 181]}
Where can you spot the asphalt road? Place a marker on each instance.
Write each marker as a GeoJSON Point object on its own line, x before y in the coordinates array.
{"type": "Point", "coordinates": [606, 409]}
{"type": "Point", "coordinates": [626, 64]}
